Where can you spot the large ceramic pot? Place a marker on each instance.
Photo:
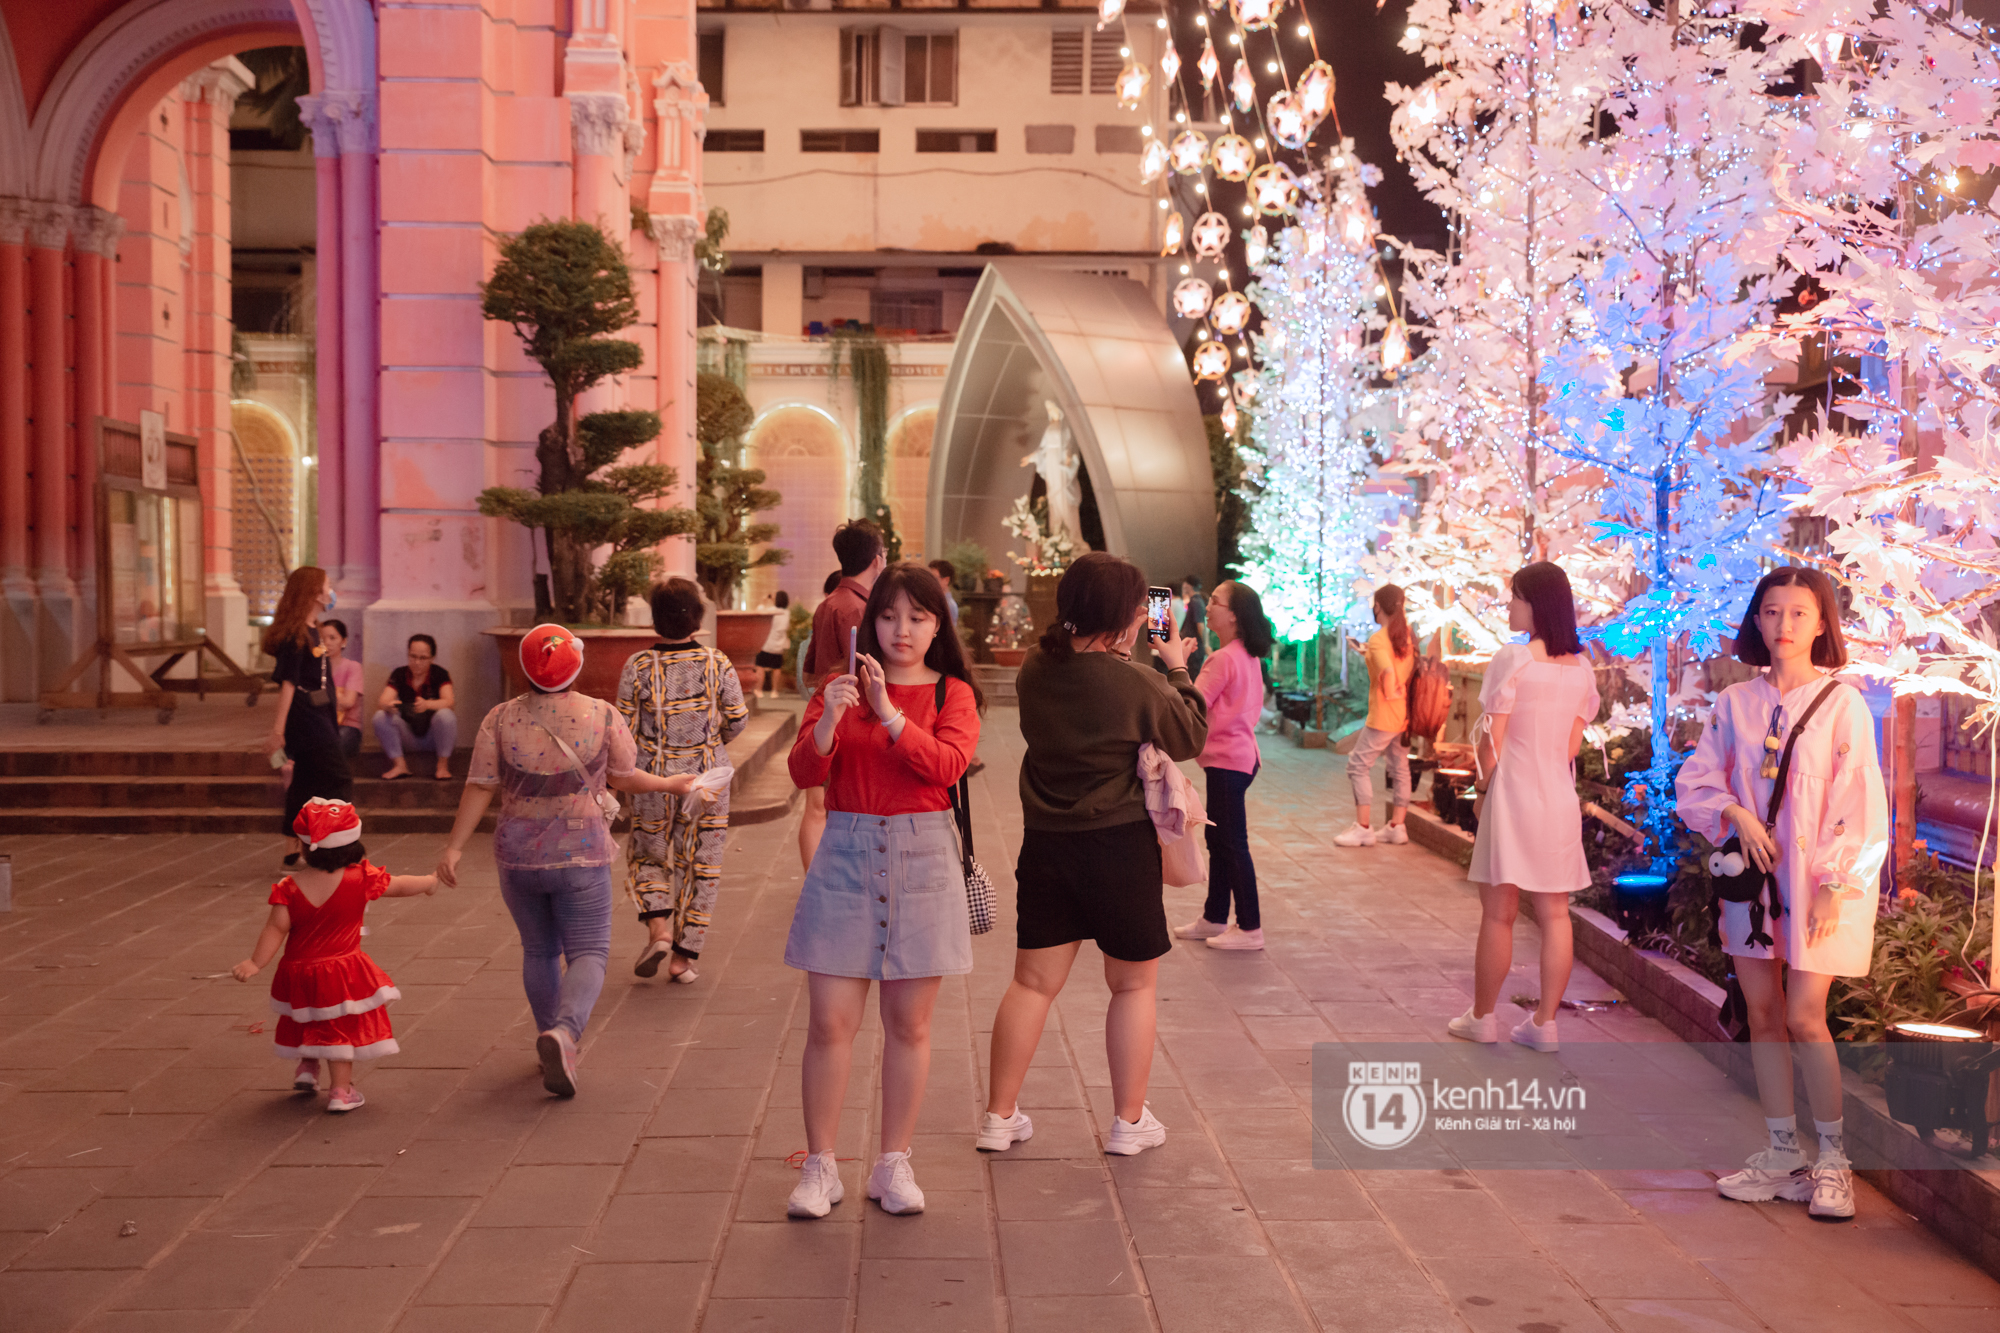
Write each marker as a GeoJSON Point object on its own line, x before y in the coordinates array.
{"type": "Point", "coordinates": [739, 635]}
{"type": "Point", "coordinates": [606, 649]}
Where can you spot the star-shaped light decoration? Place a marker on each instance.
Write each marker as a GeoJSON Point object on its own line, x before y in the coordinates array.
{"type": "Point", "coordinates": [1395, 347]}
{"type": "Point", "coordinates": [1256, 15]}
{"type": "Point", "coordinates": [1256, 246]}
{"type": "Point", "coordinates": [1209, 236]}
{"type": "Point", "coordinates": [1243, 86]}
{"type": "Point", "coordinates": [1109, 12]}
{"type": "Point", "coordinates": [1228, 416]}
{"type": "Point", "coordinates": [1188, 153]}
{"type": "Point", "coordinates": [1211, 361]}
{"type": "Point", "coordinates": [1316, 91]}
{"type": "Point", "coordinates": [1175, 233]}
{"type": "Point", "coordinates": [1170, 62]}
{"type": "Point", "coordinates": [1132, 81]}
{"type": "Point", "coordinates": [1230, 314]}
{"type": "Point", "coordinates": [1286, 119]}
{"type": "Point", "coordinates": [1274, 190]}
{"type": "Point", "coordinates": [1356, 229]}
{"type": "Point", "coordinates": [1232, 157]}
{"type": "Point", "coordinates": [1191, 298]}
{"type": "Point", "coordinates": [1208, 64]}
{"type": "Point", "coordinates": [1153, 162]}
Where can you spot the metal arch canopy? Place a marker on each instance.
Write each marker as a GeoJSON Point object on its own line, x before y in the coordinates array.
{"type": "Point", "coordinates": [1098, 348]}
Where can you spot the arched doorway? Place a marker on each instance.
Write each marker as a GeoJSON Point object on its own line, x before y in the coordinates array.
{"type": "Point", "coordinates": [909, 448]}
{"type": "Point", "coordinates": [267, 464]}
{"type": "Point", "coordinates": [805, 457]}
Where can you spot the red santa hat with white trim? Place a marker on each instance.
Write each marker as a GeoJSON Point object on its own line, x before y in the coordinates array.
{"type": "Point", "coordinates": [552, 657]}
{"type": "Point", "coordinates": [324, 823]}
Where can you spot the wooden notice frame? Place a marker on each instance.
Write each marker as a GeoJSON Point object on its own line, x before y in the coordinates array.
{"type": "Point", "coordinates": [149, 577]}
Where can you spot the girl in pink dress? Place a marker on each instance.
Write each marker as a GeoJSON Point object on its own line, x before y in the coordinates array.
{"type": "Point", "coordinates": [329, 996]}
{"type": "Point", "coordinates": [1537, 698]}
{"type": "Point", "coordinates": [1825, 851]}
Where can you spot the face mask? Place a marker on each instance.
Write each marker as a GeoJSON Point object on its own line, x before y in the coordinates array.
{"type": "Point", "coordinates": [332, 599]}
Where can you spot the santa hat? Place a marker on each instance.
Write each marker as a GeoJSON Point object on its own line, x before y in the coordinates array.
{"type": "Point", "coordinates": [324, 823]}
{"type": "Point", "coordinates": [552, 657]}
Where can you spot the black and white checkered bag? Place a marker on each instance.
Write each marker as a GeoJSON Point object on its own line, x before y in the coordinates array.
{"type": "Point", "coordinates": [980, 906]}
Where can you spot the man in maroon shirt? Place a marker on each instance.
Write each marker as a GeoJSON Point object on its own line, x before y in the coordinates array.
{"type": "Point", "coordinates": [858, 545]}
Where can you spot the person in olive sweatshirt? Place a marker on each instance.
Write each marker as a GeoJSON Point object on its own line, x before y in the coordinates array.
{"type": "Point", "coordinates": [1089, 867]}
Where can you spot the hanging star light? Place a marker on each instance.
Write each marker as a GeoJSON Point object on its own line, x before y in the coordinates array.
{"type": "Point", "coordinates": [1395, 347]}
{"type": "Point", "coordinates": [1211, 361]}
{"type": "Point", "coordinates": [1188, 153]}
{"type": "Point", "coordinates": [1132, 81]}
{"type": "Point", "coordinates": [1228, 416]}
{"type": "Point", "coordinates": [1153, 162]}
{"type": "Point", "coordinates": [1355, 229]}
{"type": "Point", "coordinates": [1109, 12]}
{"type": "Point", "coordinates": [1256, 246]}
{"type": "Point", "coordinates": [1256, 15]}
{"type": "Point", "coordinates": [1174, 234]}
{"type": "Point", "coordinates": [1232, 157]}
{"type": "Point", "coordinates": [1230, 314]}
{"type": "Point", "coordinates": [1243, 86]}
{"type": "Point", "coordinates": [1286, 120]}
{"type": "Point", "coordinates": [1316, 91]}
{"type": "Point", "coordinates": [1170, 62]}
{"type": "Point", "coordinates": [1274, 190]}
{"type": "Point", "coordinates": [1191, 298]}
{"type": "Point", "coordinates": [1209, 236]}
{"type": "Point", "coordinates": [1208, 64]}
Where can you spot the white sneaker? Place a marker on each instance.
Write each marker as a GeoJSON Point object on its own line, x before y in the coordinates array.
{"type": "Point", "coordinates": [818, 1189]}
{"type": "Point", "coordinates": [1541, 1036]}
{"type": "Point", "coordinates": [1769, 1175]}
{"type": "Point", "coordinates": [1237, 938]}
{"type": "Point", "coordinates": [1127, 1140]}
{"type": "Point", "coordinates": [997, 1133]}
{"type": "Point", "coordinates": [1832, 1188]}
{"type": "Point", "coordinates": [1395, 835]}
{"type": "Point", "coordinates": [894, 1184]}
{"type": "Point", "coordinates": [1201, 928]}
{"type": "Point", "coordinates": [1359, 835]}
{"type": "Point", "coordinates": [1467, 1027]}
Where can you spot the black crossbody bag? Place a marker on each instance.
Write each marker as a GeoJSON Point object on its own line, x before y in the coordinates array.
{"type": "Point", "coordinates": [1749, 884]}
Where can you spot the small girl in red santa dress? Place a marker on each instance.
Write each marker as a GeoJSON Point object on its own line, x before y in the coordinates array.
{"type": "Point", "coordinates": [328, 995]}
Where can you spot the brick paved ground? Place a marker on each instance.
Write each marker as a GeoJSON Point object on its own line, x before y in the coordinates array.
{"type": "Point", "coordinates": [463, 1198]}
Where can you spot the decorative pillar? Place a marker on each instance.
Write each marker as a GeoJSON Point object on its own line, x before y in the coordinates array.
{"type": "Point", "coordinates": [329, 391]}
{"type": "Point", "coordinates": [97, 233]}
{"type": "Point", "coordinates": [597, 124]}
{"type": "Point", "coordinates": [17, 588]}
{"type": "Point", "coordinates": [57, 620]}
{"type": "Point", "coordinates": [678, 220]}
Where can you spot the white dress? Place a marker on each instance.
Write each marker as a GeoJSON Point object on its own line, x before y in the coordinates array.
{"type": "Point", "coordinates": [1833, 827]}
{"type": "Point", "coordinates": [1531, 828]}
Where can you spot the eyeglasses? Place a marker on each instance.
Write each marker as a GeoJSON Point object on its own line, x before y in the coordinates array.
{"type": "Point", "coordinates": [420, 657]}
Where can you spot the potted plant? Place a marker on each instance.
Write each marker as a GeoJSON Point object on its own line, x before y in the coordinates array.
{"type": "Point", "coordinates": [565, 289]}
{"type": "Point", "coordinates": [727, 496]}
{"type": "Point", "coordinates": [968, 561]}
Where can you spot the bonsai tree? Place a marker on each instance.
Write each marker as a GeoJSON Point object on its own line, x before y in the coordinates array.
{"type": "Point", "coordinates": [565, 289]}
{"type": "Point", "coordinates": [728, 494]}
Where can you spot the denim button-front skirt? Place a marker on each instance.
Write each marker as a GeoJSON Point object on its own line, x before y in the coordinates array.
{"type": "Point", "coordinates": [885, 900]}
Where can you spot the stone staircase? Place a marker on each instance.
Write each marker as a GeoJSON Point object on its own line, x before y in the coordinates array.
{"type": "Point", "coordinates": [100, 790]}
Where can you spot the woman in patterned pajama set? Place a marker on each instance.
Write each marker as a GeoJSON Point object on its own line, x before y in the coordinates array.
{"type": "Point", "coordinates": [684, 704]}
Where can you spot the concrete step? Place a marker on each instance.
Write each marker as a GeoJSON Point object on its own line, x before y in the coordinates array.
{"type": "Point", "coordinates": [202, 819]}
{"type": "Point", "coordinates": [224, 791]}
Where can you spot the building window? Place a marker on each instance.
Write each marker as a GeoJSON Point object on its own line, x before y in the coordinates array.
{"type": "Point", "coordinates": [1106, 58]}
{"type": "Point", "coordinates": [1066, 60]}
{"type": "Point", "coordinates": [1120, 139]}
{"type": "Point", "coordinates": [907, 312]}
{"type": "Point", "coordinates": [840, 141]}
{"type": "Point", "coordinates": [930, 68]}
{"type": "Point", "coordinates": [708, 65]}
{"type": "Point", "coordinates": [733, 141]}
{"type": "Point", "coordinates": [957, 141]}
{"type": "Point", "coordinates": [1051, 138]}
{"type": "Point", "coordinates": [887, 67]}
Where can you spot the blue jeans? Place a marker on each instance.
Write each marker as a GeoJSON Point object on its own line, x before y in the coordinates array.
{"type": "Point", "coordinates": [393, 734]}
{"type": "Point", "coordinates": [564, 916]}
{"type": "Point", "coordinates": [1231, 873]}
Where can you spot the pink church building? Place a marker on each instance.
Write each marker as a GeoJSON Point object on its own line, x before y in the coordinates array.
{"type": "Point", "coordinates": [436, 129]}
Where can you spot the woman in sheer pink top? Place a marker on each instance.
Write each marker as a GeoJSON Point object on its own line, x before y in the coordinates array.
{"type": "Point", "coordinates": [550, 754]}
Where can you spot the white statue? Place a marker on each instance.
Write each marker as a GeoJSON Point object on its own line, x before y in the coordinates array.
{"type": "Point", "coordinates": [1058, 463]}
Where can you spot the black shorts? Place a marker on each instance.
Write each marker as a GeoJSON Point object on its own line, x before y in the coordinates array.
{"type": "Point", "coordinates": [770, 661]}
{"type": "Point", "coordinates": [1103, 885]}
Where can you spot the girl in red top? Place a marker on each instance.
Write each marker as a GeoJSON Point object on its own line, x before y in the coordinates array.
{"type": "Point", "coordinates": [884, 899]}
{"type": "Point", "coordinates": [328, 995]}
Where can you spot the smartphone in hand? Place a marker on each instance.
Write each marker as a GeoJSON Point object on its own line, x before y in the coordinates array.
{"type": "Point", "coordinates": [1159, 614]}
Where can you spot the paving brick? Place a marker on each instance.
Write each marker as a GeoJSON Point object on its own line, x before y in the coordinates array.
{"type": "Point", "coordinates": [1066, 1259]}
{"type": "Point", "coordinates": [789, 1258]}
{"type": "Point", "coordinates": [769, 1316]}
{"type": "Point", "coordinates": [378, 1233]}
{"type": "Point", "coordinates": [1196, 1295]}
{"type": "Point", "coordinates": [332, 1300]}
{"type": "Point", "coordinates": [93, 1239]}
{"type": "Point", "coordinates": [953, 1225]}
{"type": "Point", "coordinates": [937, 1295]}
{"type": "Point", "coordinates": [446, 1167]}
{"type": "Point", "coordinates": [292, 1199]}
{"type": "Point", "coordinates": [692, 1165]}
{"type": "Point", "coordinates": [659, 1228]}
{"type": "Point", "coordinates": [551, 1196]}
{"type": "Point", "coordinates": [605, 1296]}
{"type": "Point", "coordinates": [214, 1270]}
{"type": "Point", "coordinates": [1064, 1314]}
{"type": "Point", "coordinates": [504, 1266]}
{"type": "Point", "coordinates": [1027, 1190]}
{"type": "Point", "coordinates": [1168, 1223]}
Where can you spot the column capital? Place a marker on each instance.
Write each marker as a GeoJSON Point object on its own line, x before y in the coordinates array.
{"type": "Point", "coordinates": [675, 234]}
{"type": "Point", "coordinates": [219, 84]}
{"type": "Point", "coordinates": [15, 215]}
{"type": "Point", "coordinates": [597, 122]}
{"type": "Point", "coordinates": [48, 225]}
{"type": "Point", "coordinates": [342, 120]}
{"type": "Point", "coordinates": [97, 231]}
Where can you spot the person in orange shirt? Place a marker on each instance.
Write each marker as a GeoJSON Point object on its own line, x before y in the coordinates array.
{"type": "Point", "coordinates": [1391, 654]}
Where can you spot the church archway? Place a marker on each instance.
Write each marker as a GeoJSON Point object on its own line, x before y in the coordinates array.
{"type": "Point", "coordinates": [1099, 350]}
{"type": "Point", "coordinates": [805, 457]}
{"type": "Point", "coordinates": [909, 449]}
{"type": "Point", "coordinates": [264, 490]}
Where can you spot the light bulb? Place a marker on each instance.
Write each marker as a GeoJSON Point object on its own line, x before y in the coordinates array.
{"type": "Point", "coordinates": [1201, 20]}
{"type": "Point", "coordinates": [1125, 53]}
{"type": "Point", "coordinates": [1260, 145]}
{"type": "Point", "coordinates": [1247, 210]}
{"type": "Point", "coordinates": [1413, 31]}
{"type": "Point", "coordinates": [1163, 203]}
{"type": "Point", "coordinates": [1270, 67]}
{"type": "Point", "coordinates": [1235, 40]}
{"type": "Point", "coordinates": [1305, 30]}
{"type": "Point", "coordinates": [1201, 187]}
{"type": "Point", "coordinates": [1163, 23]}
{"type": "Point", "coordinates": [1184, 270]}
{"type": "Point", "coordinates": [1145, 131]}
{"type": "Point", "coordinates": [1180, 117]}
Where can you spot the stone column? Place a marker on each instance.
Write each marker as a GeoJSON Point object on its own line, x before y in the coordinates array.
{"type": "Point", "coordinates": [97, 234]}
{"type": "Point", "coordinates": [597, 122]}
{"type": "Point", "coordinates": [17, 586]}
{"type": "Point", "coordinates": [676, 235]}
{"type": "Point", "coordinates": [329, 392]}
{"type": "Point", "coordinates": [57, 627]}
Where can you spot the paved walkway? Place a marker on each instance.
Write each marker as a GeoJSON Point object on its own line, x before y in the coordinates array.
{"type": "Point", "coordinates": [136, 1099]}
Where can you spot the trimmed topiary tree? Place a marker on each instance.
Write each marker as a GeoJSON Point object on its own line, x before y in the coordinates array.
{"type": "Point", "coordinates": [565, 289]}
{"type": "Point", "coordinates": [727, 494]}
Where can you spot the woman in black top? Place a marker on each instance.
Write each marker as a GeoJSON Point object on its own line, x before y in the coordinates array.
{"type": "Point", "coordinates": [307, 728]}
